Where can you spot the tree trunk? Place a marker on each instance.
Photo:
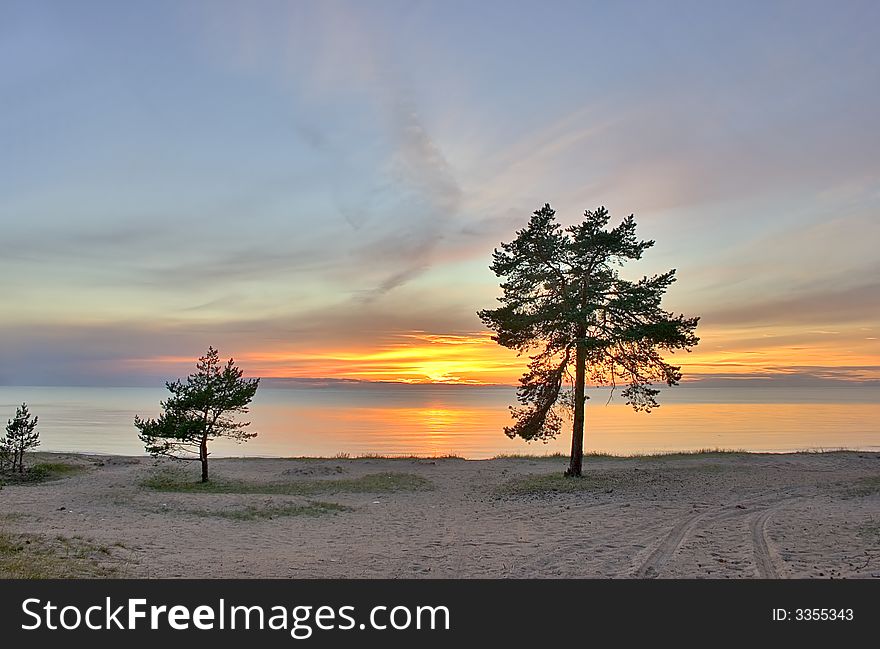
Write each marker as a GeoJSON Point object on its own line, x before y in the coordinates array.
{"type": "Point", "coordinates": [203, 456]}
{"type": "Point", "coordinates": [577, 432]}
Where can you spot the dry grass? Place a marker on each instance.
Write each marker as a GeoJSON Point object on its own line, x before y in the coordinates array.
{"type": "Point", "coordinates": [168, 481]}
{"type": "Point", "coordinates": [265, 511]}
{"type": "Point", "coordinates": [554, 483]}
{"type": "Point", "coordinates": [42, 472]}
{"type": "Point", "coordinates": [32, 556]}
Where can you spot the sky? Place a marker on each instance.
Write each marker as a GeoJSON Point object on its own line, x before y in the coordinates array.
{"type": "Point", "coordinates": [316, 188]}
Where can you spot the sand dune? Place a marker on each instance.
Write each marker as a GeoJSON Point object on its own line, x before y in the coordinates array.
{"type": "Point", "coordinates": [713, 515]}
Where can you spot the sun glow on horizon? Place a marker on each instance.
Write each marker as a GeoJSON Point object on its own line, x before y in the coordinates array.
{"type": "Point", "coordinates": [419, 357]}
{"type": "Point", "coordinates": [413, 357]}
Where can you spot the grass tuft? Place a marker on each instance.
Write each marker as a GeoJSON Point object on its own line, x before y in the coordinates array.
{"type": "Point", "coordinates": [364, 456]}
{"type": "Point", "coordinates": [528, 456]}
{"type": "Point", "coordinates": [553, 483]}
{"type": "Point", "coordinates": [684, 455]}
{"type": "Point", "coordinates": [371, 483]}
{"type": "Point", "coordinates": [380, 456]}
{"type": "Point", "coordinates": [864, 487]}
{"type": "Point", "coordinates": [42, 472]}
{"type": "Point", "coordinates": [870, 531]}
{"type": "Point", "coordinates": [666, 455]}
{"type": "Point", "coordinates": [267, 511]}
{"type": "Point", "coordinates": [30, 556]}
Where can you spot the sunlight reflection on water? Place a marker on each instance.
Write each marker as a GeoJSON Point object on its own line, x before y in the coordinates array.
{"type": "Point", "coordinates": [427, 420]}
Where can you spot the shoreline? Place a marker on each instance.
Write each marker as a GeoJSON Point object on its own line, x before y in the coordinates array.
{"type": "Point", "coordinates": [502, 456]}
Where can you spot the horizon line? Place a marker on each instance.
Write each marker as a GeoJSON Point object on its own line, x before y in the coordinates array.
{"type": "Point", "coordinates": [728, 381]}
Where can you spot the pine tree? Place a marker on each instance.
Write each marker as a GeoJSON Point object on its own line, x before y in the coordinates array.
{"type": "Point", "coordinates": [21, 436]}
{"type": "Point", "coordinates": [563, 298]}
{"type": "Point", "coordinates": [199, 411]}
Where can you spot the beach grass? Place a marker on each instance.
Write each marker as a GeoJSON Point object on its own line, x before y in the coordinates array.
{"type": "Point", "coordinates": [42, 472]}
{"type": "Point", "coordinates": [344, 455]}
{"type": "Point", "coordinates": [553, 483]}
{"type": "Point", "coordinates": [527, 456]}
{"type": "Point", "coordinates": [266, 511]}
{"type": "Point", "coordinates": [665, 455]}
{"type": "Point", "coordinates": [380, 456]}
{"type": "Point", "coordinates": [864, 487]}
{"type": "Point", "coordinates": [870, 531]}
{"type": "Point", "coordinates": [32, 556]}
{"type": "Point", "coordinates": [685, 455]}
{"type": "Point", "coordinates": [371, 483]}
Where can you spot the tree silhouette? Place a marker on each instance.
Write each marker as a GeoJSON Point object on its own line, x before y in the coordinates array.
{"type": "Point", "coordinates": [564, 298]}
{"type": "Point", "coordinates": [21, 436]}
{"type": "Point", "coordinates": [200, 410]}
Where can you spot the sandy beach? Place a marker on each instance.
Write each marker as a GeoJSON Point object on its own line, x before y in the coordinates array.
{"type": "Point", "coordinates": [716, 515]}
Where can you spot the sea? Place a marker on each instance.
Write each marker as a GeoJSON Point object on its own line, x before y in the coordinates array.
{"type": "Point", "coordinates": [468, 421]}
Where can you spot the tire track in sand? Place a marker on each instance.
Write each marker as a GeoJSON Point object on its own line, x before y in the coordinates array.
{"type": "Point", "coordinates": [650, 568]}
{"type": "Point", "coordinates": [763, 560]}
{"type": "Point", "coordinates": [767, 562]}
{"type": "Point", "coordinates": [661, 554]}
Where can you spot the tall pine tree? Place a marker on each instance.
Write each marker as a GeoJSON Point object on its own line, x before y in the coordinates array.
{"type": "Point", "coordinates": [564, 300]}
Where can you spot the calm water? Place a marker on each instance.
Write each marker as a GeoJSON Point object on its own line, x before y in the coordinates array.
{"type": "Point", "coordinates": [431, 420]}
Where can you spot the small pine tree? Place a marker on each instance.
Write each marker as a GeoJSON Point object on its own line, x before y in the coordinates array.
{"type": "Point", "coordinates": [200, 410]}
{"type": "Point", "coordinates": [21, 436]}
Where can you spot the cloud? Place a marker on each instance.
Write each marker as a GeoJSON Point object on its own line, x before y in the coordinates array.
{"type": "Point", "coordinates": [866, 376]}
{"type": "Point", "coordinates": [395, 188]}
{"type": "Point", "coordinates": [101, 352]}
{"type": "Point", "coordinates": [806, 306]}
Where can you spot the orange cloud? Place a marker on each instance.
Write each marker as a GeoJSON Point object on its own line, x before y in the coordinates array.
{"type": "Point", "coordinates": [414, 357]}
{"type": "Point", "coordinates": [474, 358]}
